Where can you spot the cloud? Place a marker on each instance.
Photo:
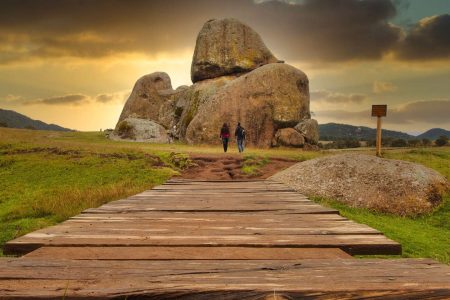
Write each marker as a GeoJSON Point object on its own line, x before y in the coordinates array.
{"type": "Point", "coordinates": [428, 39]}
{"type": "Point", "coordinates": [431, 112]}
{"type": "Point", "coordinates": [74, 99]}
{"type": "Point", "coordinates": [10, 98]}
{"type": "Point", "coordinates": [337, 98]}
{"type": "Point", "coordinates": [313, 30]}
{"type": "Point", "coordinates": [380, 87]}
{"type": "Point", "coordinates": [118, 97]}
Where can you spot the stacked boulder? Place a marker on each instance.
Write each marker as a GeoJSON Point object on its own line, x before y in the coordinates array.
{"type": "Point", "coordinates": [236, 79]}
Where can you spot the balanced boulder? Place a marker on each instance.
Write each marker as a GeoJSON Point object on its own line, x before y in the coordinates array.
{"type": "Point", "coordinates": [227, 47]}
{"type": "Point", "coordinates": [236, 79]}
{"type": "Point", "coordinates": [365, 181]}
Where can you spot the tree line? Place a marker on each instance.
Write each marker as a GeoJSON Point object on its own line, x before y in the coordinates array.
{"type": "Point", "coordinates": [386, 142]}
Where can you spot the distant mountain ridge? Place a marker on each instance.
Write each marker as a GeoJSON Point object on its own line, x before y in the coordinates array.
{"type": "Point", "coordinates": [15, 120]}
{"type": "Point", "coordinates": [434, 133]}
{"type": "Point", "coordinates": [334, 131]}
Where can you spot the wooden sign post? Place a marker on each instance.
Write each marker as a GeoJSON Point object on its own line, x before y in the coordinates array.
{"type": "Point", "coordinates": [379, 111]}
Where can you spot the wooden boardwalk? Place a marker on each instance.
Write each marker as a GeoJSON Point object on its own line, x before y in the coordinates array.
{"type": "Point", "coordinates": [214, 239]}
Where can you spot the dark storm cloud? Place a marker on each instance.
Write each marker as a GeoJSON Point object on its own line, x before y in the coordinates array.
{"type": "Point", "coordinates": [433, 112]}
{"type": "Point", "coordinates": [75, 99]}
{"type": "Point", "coordinates": [428, 39]}
{"type": "Point", "coordinates": [313, 30]}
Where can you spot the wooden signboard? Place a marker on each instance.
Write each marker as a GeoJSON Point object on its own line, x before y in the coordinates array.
{"type": "Point", "coordinates": [379, 110]}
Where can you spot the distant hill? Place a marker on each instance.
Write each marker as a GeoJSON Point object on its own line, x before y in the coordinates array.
{"type": "Point", "coordinates": [334, 131]}
{"type": "Point", "coordinates": [434, 133]}
{"type": "Point", "coordinates": [16, 120]}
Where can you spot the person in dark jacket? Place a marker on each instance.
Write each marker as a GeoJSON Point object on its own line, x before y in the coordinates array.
{"type": "Point", "coordinates": [239, 133]}
{"type": "Point", "coordinates": [225, 136]}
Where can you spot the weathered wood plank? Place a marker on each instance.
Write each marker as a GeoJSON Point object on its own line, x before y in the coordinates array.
{"type": "Point", "coordinates": [352, 244]}
{"type": "Point", "coordinates": [185, 253]}
{"type": "Point", "coordinates": [350, 278]}
{"type": "Point", "coordinates": [262, 216]}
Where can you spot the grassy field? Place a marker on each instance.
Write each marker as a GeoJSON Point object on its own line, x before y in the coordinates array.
{"type": "Point", "coordinates": [46, 177]}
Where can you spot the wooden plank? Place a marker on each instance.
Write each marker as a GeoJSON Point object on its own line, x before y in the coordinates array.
{"type": "Point", "coordinates": [262, 216]}
{"type": "Point", "coordinates": [352, 244]}
{"type": "Point", "coordinates": [185, 253]}
{"type": "Point", "coordinates": [313, 209]}
{"type": "Point", "coordinates": [252, 279]}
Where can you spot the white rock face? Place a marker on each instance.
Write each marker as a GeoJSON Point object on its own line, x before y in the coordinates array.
{"type": "Point", "coordinates": [139, 130]}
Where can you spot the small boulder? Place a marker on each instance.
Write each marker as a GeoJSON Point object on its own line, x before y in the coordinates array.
{"type": "Point", "coordinates": [139, 130]}
{"type": "Point", "coordinates": [309, 128]}
{"type": "Point", "coordinates": [384, 185]}
{"type": "Point", "coordinates": [148, 95]}
{"type": "Point", "coordinates": [289, 137]}
{"type": "Point", "coordinates": [226, 47]}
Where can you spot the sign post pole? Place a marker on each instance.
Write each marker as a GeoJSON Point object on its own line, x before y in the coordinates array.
{"type": "Point", "coordinates": [378, 136]}
{"type": "Point", "coordinates": [379, 111]}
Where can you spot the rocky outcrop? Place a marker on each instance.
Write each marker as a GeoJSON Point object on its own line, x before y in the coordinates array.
{"type": "Point", "coordinates": [139, 130]}
{"type": "Point", "coordinates": [384, 185]}
{"type": "Point", "coordinates": [271, 97]}
{"type": "Point", "coordinates": [147, 97]}
{"type": "Point", "coordinates": [227, 47]}
{"type": "Point", "coordinates": [235, 80]}
{"type": "Point", "coordinates": [288, 137]}
{"type": "Point", "coordinates": [309, 128]}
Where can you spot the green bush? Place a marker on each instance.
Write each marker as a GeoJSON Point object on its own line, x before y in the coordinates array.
{"type": "Point", "coordinates": [442, 141]}
{"type": "Point", "coordinates": [125, 130]}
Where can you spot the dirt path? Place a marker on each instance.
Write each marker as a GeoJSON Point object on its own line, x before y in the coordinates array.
{"type": "Point", "coordinates": [226, 167]}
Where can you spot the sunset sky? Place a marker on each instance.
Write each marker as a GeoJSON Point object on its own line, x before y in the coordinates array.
{"type": "Point", "coordinates": [74, 62]}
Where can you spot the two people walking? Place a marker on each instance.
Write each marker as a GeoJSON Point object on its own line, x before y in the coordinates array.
{"type": "Point", "coordinates": [239, 134]}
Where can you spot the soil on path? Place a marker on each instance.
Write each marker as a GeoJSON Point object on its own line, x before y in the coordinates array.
{"type": "Point", "coordinates": [229, 167]}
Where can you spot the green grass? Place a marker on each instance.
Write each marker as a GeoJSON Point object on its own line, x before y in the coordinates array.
{"type": "Point", "coordinates": [253, 164]}
{"type": "Point", "coordinates": [42, 185]}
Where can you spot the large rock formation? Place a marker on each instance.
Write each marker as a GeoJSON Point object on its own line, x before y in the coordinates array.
{"type": "Point", "coordinates": [227, 47]}
{"type": "Point", "coordinates": [271, 97]}
{"type": "Point", "coordinates": [236, 79]}
{"type": "Point", "coordinates": [385, 185]}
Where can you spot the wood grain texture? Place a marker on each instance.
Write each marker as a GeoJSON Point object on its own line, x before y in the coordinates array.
{"type": "Point", "coordinates": [211, 214]}
{"type": "Point", "coordinates": [214, 240]}
{"type": "Point", "coordinates": [185, 253]}
{"type": "Point", "coordinates": [253, 279]}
